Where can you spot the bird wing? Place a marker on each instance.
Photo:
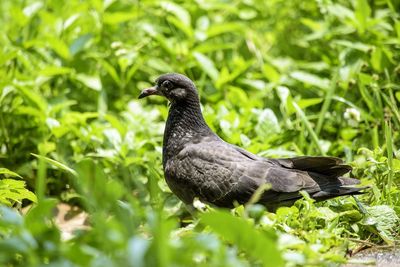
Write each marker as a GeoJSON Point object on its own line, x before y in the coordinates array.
{"type": "Point", "coordinates": [209, 170]}
{"type": "Point", "coordinates": [220, 174]}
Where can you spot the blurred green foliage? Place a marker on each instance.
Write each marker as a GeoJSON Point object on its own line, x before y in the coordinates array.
{"type": "Point", "coordinates": [280, 78]}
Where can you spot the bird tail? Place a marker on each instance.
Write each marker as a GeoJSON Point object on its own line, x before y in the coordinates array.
{"type": "Point", "coordinates": [327, 166]}
{"type": "Point", "coordinates": [347, 187]}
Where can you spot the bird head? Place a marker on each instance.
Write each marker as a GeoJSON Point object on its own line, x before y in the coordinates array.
{"type": "Point", "coordinates": [175, 87]}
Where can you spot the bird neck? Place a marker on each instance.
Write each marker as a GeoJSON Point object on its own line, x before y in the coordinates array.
{"type": "Point", "coordinates": [185, 123]}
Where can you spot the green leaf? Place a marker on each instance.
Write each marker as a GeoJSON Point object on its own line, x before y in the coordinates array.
{"type": "Point", "coordinates": [363, 12]}
{"type": "Point", "coordinates": [32, 9]}
{"type": "Point", "coordinates": [389, 147]}
{"type": "Point", "coordinates": [38, 218]}
{"type": "Point", "coordinates": [56, 164]}
{"type": "Point", "coordinates": [26, 194]}
{"type": "Point", "coordinates": [207, 65]}
{"type": "Point", "coordinates": [181, 13]}
{"type": "Point", "coordinates": [385, 220]}
{"type": "Point", "coordinates": [267, 123]}
{"type": "Point", "coordinates": [34, 97]}
{"type": "Point", "coordinates": [397, 27]}
{"type": "Point", "coordinates": [310, 79]}
{"type": "Point", "coordinates": [79, 43]}
{"type": "Point", "coordinates": [356, 45]}
{"type": "Point", "coordinates": [183, 27]}
{"type": "Point", "coordinates": [260, 244]}
{"type": "Point", "coordinates": [271, 73]}
{"type": "Point", "coordinates": [10, 216]}
{"type": "Point", "coordinates": [12, 191]}
{"type": "Point", "coordinates": [91, 81]}
{"type": "Point", "coordinates": [111, 71]}
{"type": "Point", "coordinates": [59, 47]}
{"type": "Point", "coordinates": [308, 102]}
{"type": "Point", "coordinates": [9, 173]}
{"type": "Point", "coordinates": [119, 17]}
{"type": "Point", "coordinates": [218, 29]}
{"type": "Point", "coordinates": [53, 71]}
{"type": "Point", "coordinates": [376, 58]}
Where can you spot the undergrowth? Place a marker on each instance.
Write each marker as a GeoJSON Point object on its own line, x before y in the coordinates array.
{"type": "Point", "coordinates": [279, 78]}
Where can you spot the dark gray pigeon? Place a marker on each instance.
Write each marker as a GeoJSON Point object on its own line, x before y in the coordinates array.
{"type": "Point", "coordinates": [198, 163]}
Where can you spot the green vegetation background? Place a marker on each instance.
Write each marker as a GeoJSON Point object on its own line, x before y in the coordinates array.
{"type": "Point", "coordinates": [279, 78]}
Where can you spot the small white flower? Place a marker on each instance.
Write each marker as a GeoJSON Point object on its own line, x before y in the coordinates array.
{"type": "Point", "coordinates": [353, 116]}
{"type": "Point", "coordinates": [197, 204]}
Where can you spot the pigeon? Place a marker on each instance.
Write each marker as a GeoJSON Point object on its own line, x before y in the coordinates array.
{"type": "Point", "coordinates": [198, 164]}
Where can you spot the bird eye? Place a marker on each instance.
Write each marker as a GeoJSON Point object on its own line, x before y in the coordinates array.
{"type": "Point", "coordinates": [167, 84]}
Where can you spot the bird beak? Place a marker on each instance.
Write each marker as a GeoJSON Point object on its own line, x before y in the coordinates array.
{"type": "Point", "coordinates": [149, 91]}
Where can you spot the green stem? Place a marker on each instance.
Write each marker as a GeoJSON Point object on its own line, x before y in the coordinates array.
{"type": "Point", "coordinates": [309, 128]}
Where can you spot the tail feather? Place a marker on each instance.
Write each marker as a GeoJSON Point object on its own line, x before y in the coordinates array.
{"type": "Point", "coordinates": [328, 166]}
{"type": "Point", "coordinates": [327, 174]}
{"type": "Point", "coordinates": [339, 191]}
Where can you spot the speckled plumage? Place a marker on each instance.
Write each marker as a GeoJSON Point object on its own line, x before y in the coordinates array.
{"type": "Point", "coordinates": [198, 163]}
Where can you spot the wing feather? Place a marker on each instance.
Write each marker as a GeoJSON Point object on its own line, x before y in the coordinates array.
{"type": "Point", "coordinates": [220, 174]}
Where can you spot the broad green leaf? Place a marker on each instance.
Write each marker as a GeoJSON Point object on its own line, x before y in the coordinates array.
{"type": "Point", "coordinates": [396, 165]}
{"type": "Point", "coordinates": [37, 219]}
{"type": "Point", "coordinates": [363, 12]}
{"type": "Point", "coordinates": [91, 81]}
{"type": "Point", "coordinates": [9, 173]}
{"type": "Point", "coordinates": [271, 73]}
{"type": "Point", "coordinates": [385, 220]}
{"type": "Point", "coordinates": [10, 216]}
{"type": "Point", "coordinates": [70, 21]}
{"type": "Point", "coordinates": [356, 45]}
{"type": "Point", "coordinates": [5, 91]}
{"type": "Point", "coordinates": [119, 17]}
{"type": "Point", "coordinates": [241, 66]}
{"type": "Point", "coordinates": [248, 14]}
{"type": "Point", "coordinates": [218, 29]}
{"type": "Point", "coordinates": [11, 183]}
{"type": "Point", "coordinates": [340, 11]}
{"type": "Point", "coordinates": [313, 25]}
{"type": "Point", "coordinates": [111, 71]}
{"type": "Point", "coordinates": [12, 191]}
{"type": "Point", "coordinates": [136, 251]}
{"type": "Point", "coordinates": [348, 133]}
{"type": "Point", "coordinates": [79, 43]}
{"type": "Point", "coordinates": [159, 64]}
{"type": "Point", "coordinates": [56, 164]}
{"type": "Point", "coordinates": [182, 26]}
{"type": "Point", "coordinates": [308, 102]}
{"type": "Point", "coordinates": [267, 123]}
{"type": "Point", "coordinates": [310, 79]}
{"type": "Point", "coordinates": [32, 9]}
{"type": "Point", "coordinates": [53, 71]}
{"type": "Point", "coordinates": [178, 10]}
{"type": "Point", "coordinates": [260, 244]}
{"type": "Point", "coordinates": [31, 111]}
{"type": "Point", "coordinates": [397, 26]}
{"type": "Point", "coordinates": [207, 65]}
{"type": "Point", "coordinates": [376, 58]}
{"type": "Point", "coordinates": [34, 97]}
{"type": "Point", "coordinates": [59, 47]}
{"type": "Point", "coordinates": [26, 194]}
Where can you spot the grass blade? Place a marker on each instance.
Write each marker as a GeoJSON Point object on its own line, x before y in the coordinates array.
{"type": "Point", "coordinates": [309, 128]}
